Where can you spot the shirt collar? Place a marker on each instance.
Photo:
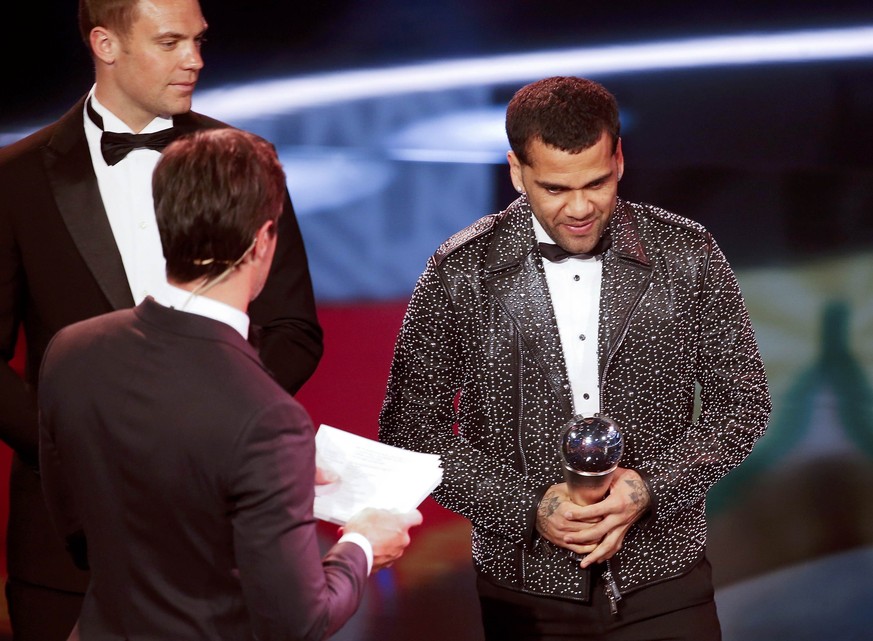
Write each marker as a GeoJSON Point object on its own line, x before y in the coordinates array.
{"type": "Point", "coordinates": [111, 122]}
{"type": "Point", "coordinates": [542, 236]}
{"type": "Point", "coordinates": [182, 300]}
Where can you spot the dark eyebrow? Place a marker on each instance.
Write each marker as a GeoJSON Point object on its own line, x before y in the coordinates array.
{"type": "Point", "coordinates": [590, 183]}
{"type": "Point", "coordinates": [551, 186]}
{"type": "Point", "coordinates": [599, 179]}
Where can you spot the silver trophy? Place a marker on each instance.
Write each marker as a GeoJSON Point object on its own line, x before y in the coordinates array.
{"type": "Point", "coordinates": [590, 448]}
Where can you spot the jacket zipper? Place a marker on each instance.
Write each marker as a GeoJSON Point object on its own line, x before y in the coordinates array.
{"type": "Point", "coordinates": [611, 589]}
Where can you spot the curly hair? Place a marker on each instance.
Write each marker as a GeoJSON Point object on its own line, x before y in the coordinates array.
{"type": "Point", "coordinates": [564, 112]}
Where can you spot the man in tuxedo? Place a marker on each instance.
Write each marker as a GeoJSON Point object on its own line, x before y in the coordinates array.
{"type": "Point", "coordinates": [78, 239]}
{"type": "Point", "coordinates": [173, 463]}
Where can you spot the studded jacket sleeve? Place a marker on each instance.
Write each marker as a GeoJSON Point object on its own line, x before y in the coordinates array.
{"type": "Point", "coordinates": [421, 410]}
{"type": "Point", "coordinates": [734, 402]}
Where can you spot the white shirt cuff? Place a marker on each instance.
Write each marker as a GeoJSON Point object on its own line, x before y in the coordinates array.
{"type": "Point", "coordinates": [364, 543]}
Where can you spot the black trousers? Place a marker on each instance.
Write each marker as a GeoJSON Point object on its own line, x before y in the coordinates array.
{"type": "Point", "coordinates": [681, 609]}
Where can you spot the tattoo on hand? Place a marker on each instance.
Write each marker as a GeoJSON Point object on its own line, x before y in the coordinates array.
{"type": "Point", "coordinates": [639, 495]}
{"type": "Point", "coordinates": [547, 507]}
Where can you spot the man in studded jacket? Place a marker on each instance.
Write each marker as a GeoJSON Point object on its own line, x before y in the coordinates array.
{"type": "Point", "coordinates": [501, 346]}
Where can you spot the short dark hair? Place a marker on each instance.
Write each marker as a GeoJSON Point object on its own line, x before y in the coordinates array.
{"type": "Point", "coordinates": [565, 112]}
{"type": "Point", "coordinates": [213, 190]}
{"type": "Point", "coordinates": [118, 15]}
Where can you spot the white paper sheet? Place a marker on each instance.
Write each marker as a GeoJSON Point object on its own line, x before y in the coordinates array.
{"type": "Point", "coordinates": [371, 474]}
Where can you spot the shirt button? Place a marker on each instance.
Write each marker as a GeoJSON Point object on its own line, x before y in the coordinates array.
{"type": "Point", "coordinates": [586, 396]}
{"type": "Point", "coordinates": [143, 224]}
{"type": "Point", "coordinates": [581, 337]}
{"type": "Point", "coordinates": [576, 277]}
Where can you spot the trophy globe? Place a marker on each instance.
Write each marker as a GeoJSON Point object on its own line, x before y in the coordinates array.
{"type": "Point", "coordinates": [590, 450]}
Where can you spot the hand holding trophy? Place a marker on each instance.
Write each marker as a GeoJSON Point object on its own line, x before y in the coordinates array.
{"type": "Point", "coordinates": [590, 449]}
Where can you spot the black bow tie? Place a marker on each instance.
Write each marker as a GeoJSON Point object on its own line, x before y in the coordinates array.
{"type": "Point", "coordinates": [115, 146]}
{"type": "Point", "coordinates": [555, 253]}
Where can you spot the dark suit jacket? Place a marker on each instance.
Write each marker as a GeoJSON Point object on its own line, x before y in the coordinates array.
{"type": "Point", "coordinates": [59, 264]}
{"type": "Point", "coordinates": [191, 473]}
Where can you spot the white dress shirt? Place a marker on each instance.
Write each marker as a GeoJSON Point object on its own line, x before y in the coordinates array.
{"type": "Point", "coordinates": [574, 286]}
{"type": "Point", "coordinates": [126, 190]}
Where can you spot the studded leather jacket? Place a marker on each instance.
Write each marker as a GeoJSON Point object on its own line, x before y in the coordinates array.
{"type": "Point", "coordinates": [479, 378]}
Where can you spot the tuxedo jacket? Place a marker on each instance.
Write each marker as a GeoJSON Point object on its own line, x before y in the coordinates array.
{"type": "Point", "coordinates": [190, 472]}
{"type": "Point", "coordinates": [59, 264]}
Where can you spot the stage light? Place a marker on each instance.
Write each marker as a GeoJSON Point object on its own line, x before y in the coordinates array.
{"type": "Point", "coordinates": [278, 96]}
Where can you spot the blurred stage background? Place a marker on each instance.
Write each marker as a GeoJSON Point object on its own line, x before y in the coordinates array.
{"type": "Point", "coordinates": [388, 118]}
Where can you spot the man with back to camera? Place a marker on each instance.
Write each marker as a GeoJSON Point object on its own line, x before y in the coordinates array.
{"type": "Point", "coordinates": [574, 302]}
{"type": "Point", "coordinates": [173, 463]}
{"type": "Point", "coordinates": [78, 239]}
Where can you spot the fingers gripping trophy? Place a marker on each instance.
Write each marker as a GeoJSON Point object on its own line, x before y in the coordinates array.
{"type": "Point", "coordinates": [590, 450]}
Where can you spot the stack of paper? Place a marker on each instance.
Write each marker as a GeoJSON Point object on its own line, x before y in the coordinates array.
{"type": "Point", "coordinates": [371, 474]}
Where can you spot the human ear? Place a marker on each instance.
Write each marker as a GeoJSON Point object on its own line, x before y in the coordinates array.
{"type": "Point", "coordinates": [619, 159]}
{"type": "Point", "coordinates": [104, 44]}
{"type": "Point", "coordinates": [265, 236]}
{"type": "Point", "coordinates": [515, 172]}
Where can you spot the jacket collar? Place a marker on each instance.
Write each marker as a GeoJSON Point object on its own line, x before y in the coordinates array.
{"type": "Point", "coordinates": [627, 272]}
{"type": "Point", "coordinates": [626, 241]}
{"type": "Point", "coordinates": [195, 326]}
{"type": "Point", "coordinates": [515, 277]}
{"type": "Point", "coordinates": [514, 238]}
{"type": "Point", "coordinates": [74, 186]}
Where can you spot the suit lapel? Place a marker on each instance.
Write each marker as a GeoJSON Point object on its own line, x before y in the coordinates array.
{"type": "Point", "coordinates": [627, 273]}
{"type": "Point", "coordinates": [74, 186]}
{"type": "Point", "coordinates": [515, 280]}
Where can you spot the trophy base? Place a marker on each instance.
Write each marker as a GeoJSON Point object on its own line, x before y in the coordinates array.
{"type": "Point", "coordinates": [587, 490]}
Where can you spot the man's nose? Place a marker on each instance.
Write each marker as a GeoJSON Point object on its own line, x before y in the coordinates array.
{"type": "Point", "coordinates": [578, 203]}
{"type": "Point", "coordinates": [193, 59]}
